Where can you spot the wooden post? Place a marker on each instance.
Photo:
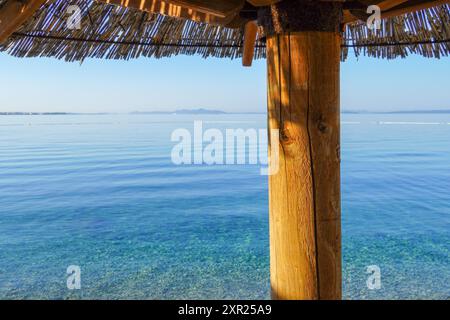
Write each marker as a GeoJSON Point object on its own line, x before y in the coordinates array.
{"type": "Point", "coordinates": [304, 196]}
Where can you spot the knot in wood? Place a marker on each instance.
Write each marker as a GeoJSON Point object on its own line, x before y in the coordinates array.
{"type": "Point", "coordinates": [322, 126]}
{"type": "Point", "coordinates": [285, 136]}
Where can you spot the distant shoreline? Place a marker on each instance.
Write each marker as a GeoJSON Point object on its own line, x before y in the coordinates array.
{"type": "Point", "coordinates": [178, 112]}
{"type": "Point", "coordinates": [208, 112]}
{"type": "Point", "coordinates": [444, 111]}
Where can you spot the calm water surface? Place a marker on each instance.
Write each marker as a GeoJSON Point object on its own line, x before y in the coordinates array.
{"type": "Point", "coordinates": [101, 192]}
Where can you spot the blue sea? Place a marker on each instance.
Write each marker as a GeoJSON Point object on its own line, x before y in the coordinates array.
{"type": "Point", "coordinates": [101, 192]}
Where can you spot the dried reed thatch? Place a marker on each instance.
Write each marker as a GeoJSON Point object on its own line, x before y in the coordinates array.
{"type": "Point", "coordinates": [425, 32]}
{"type": "Point", "coordinates": [113, 32]}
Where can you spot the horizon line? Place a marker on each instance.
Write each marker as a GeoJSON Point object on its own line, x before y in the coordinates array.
{"type": "Point", "coordinates": [209, 111]}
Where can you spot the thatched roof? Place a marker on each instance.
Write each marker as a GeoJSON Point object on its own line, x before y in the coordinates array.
{"type": "Point", "coordinates": [114, 32]}
{"type": "Point", "coordinates": [425, 32]}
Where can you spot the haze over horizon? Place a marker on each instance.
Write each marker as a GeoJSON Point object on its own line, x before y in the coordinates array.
{"type": "Point", "coordinates": [207, 111]}
{"type": "Point", "coordinates": [102, 86]}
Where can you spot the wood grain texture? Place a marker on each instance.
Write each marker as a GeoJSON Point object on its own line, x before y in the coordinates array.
{"type": "Point", "coordinates": [304, 196]}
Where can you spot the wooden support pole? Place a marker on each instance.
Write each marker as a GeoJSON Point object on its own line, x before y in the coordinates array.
{"type": "Point", "coordinates": [14, 13]}
{"type": "Point", "coordinates": [304, 196]}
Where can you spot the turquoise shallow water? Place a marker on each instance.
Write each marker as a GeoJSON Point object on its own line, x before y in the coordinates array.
{"type": "Point", "coordinates": [101, 192]}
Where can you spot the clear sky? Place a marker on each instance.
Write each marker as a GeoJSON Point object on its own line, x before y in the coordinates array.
{"type": "Point", "coordinates": [49, 85]}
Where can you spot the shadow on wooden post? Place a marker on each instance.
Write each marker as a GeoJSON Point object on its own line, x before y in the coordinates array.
{"type": "Point", "coordinates": [304, 197]}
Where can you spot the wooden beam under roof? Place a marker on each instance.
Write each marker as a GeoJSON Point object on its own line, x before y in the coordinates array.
{"type": "Point", "coordinates": [361, 12]}
{"type": "Point", "coordinates": [404, 9]}
{"type": "Point", "coordinates": [168, 8]}
{"type": "Point", "coordinates": [219, 8]}
{"type": "Point", "coordinates": [14, 13]}
{"type": "Point", "coordinates": [389, 4]}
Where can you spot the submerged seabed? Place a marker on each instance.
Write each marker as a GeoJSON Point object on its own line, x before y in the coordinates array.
{"type": "Point", "coordinates": [101, 192]}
